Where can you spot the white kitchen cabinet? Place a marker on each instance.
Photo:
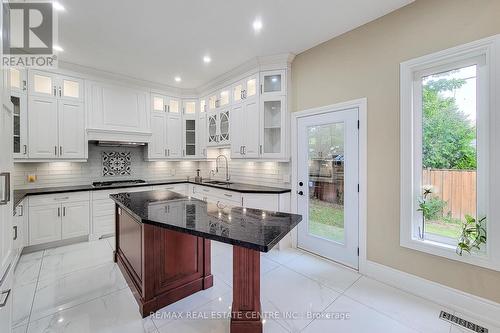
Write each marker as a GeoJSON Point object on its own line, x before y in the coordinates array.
{"type": "Point", "coordinates": [70, 88]}
{"type": "Point", "coordinates": [75, 219]}
{"type": "Point", "coordinates": [202, 135]}
{"type": "Point", "coordinates": [20, 123]}
{"type": "Point", "coordinates": [118, 112]}
{"type": "Point", "coordinates": [174, 135]}
{"type": "Point", "coordinates": [43, 128]}
{"type": "Point", "coordinates": [224, 127]}
{"type": "Point", "coordinates": [44, 224]}
{"type": "Point", "coordinates": [18, 80]}
{"type": "Point", "coordinates": [245, 89]}
{"type": "Point", "coordinates": [273, 83]}
{"type": "Point", "coordinates": [20, 226]}
{"type": "Point", "coordinates": [103, 210]}
{"type": "Point", "coordinates": [72, 143]}
{"type": "Point", "coordinates": [190, 137]}
{"type": "Point", "coordinates": [56, 217]}
{"type": "Point", "coordinates": [56, 128]}
{"type": "Point", "coordinates": [245, 124]}
{"type": "Point", "coordinates": [42, 84]}
{"type": "Point", "coordinates": [218, 127]}
{"type": "Point", "coordinates": [274, 127]}
{"type": "Point", "coordinates": [178, 188]}
{"type": "Point", "coordinates": [157, 148]}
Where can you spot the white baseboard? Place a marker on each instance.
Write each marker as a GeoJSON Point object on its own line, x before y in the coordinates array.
{"type": "Point", "coordinates": [485, 310]}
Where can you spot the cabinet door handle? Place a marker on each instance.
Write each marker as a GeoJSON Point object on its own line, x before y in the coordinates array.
{"type": "Point", "coordinates": [228, 195]}
{"type": "Point", "coordinates": [55, 91]}
{"type": "Point", "coordinates": [244, 150]}
{"type": "Point", "coordinates": [24, 85]}
{"type": "Point", "coordinates": [60, 91]}
{"type": "Point", "coordinates": [6, 190]}
{"type": "Point", "coordinates": [60, 151]}
{"type": "Point", "coordinates": [241, 150]}
{"type": "Point", "coordinates": [165, 108]}
{"type": "Point", "coordinates": [5, 295]}
{"type": "Point", "coordinates": [21, 208]}
{"type": "Point", "coordinates": [55, 150]}
{"type": "Point", "coordinates": [15, 232]}
{"type": "Point", "coordinates": [25, 149]}
{"type": "Point", "coordinates": [64, 211]}
{"type": "Point", "coordinates": [260, 149]}
{"type": "Point", "coordinates": [165, 152]}
{"type": "Point", "coordinates": [61, 198]}
{"type": "Point", "coordinates": [261, 89]}
{"type": "Point", "coordinates": [168, 152]}
{"type": "Point", "coordinates": [58, 211]}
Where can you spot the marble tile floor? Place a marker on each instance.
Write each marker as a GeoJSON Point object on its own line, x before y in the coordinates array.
{"type": "Point", "coordinates": [78, 288]}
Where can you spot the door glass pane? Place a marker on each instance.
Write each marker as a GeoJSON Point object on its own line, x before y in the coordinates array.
{"type": "Point", "coordinates": [224, 97]}
{"type": "Point", "coordinates": [158, 103]}
{"type": "Point", "coordinates": [190, 107]}
{"type": "Point", "coordinates": [251, 87]}
{"type": "Point", "coordinates": [71, 89]}
{"type": "Point", "coordinates": [449, 153]}
{"type": "Point", "coordinates": [17, 123]}
{"type": "Point", "coordinates": [174, 106]}
{"type": "Point", "coordinates": [272, 126]}
{"type": "Point", "coordinates": [224, 125]}
{"type": "Point", "coordinates": [237, 92]}
{"type": "Point", "coordinates": [272, 83]}
{"type": "Point", "coordinates": [42, 84]}
{"type": "Point", "coordinates": [15, 78]}
{"type": "Point", "coordinates": [212, 129]}
{"type": "Point", "coordinates": [326, 181]}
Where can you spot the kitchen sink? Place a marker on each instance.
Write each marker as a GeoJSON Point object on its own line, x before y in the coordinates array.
{"type": "Point", "coordinates": [217, 182]}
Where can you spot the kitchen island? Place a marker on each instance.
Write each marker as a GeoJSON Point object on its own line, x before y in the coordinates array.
{"type": "Point", "coordinates": [163, 249]}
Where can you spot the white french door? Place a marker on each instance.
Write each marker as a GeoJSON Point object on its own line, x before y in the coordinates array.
{"type": "Point", "coordinates": [327, 185]}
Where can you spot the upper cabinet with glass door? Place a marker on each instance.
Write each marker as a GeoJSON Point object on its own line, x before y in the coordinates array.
{"type": "Point", "coordinates": [244, 89]}
{"type": "Point", "coordinates": [159, 103]}
{"type": "Point", "coordinates": [18, 80]}
{"type": "Point", "coordinates": [273, 83]}
{"type": "Point", "coordinates": [45, 84]}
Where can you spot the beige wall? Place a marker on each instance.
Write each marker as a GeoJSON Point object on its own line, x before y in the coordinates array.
{"type": "Point", "coordinates": [365, 63]}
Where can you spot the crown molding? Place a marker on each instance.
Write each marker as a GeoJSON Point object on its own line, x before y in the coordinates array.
{"type": "Point", "coordinates": [252, 66]}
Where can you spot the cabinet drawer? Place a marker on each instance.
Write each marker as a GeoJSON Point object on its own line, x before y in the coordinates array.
{"type": "Point", "coordinates": [48, 199]}
{"type": "Point", "coordinates": [104, 194]}
{"type": "Point", "coordinates": [178, 188]}
{"type": "Point", "coordinates": [103, 207]}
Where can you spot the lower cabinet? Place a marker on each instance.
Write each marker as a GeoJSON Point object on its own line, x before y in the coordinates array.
{"type": "Point", "coordinates": [54, 218]}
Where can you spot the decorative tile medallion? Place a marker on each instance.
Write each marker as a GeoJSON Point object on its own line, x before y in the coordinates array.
{"type": "Point", "coordinates": [116, 164]}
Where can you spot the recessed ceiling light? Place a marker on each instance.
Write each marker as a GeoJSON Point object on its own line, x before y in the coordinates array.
{"type": "Point", "coordinates": [57, 6]}
{"type": "Point", "coordinates": [257, 25]}
{"type": "Point", "coordinates": [207, 59]}
{"type": "Point", "coordinates": [57, 48]}
{"type": "Point", "coordinates": [177, 79]}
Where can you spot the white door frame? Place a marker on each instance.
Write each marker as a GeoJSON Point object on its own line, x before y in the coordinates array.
{"type": "Point", "coordinates": [361, 105]}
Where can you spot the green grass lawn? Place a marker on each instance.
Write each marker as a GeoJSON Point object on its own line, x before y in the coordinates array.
{"type": "Point", "coordinates": [326, 220]}
{"type": "Point", "coordinates": [445, 229]}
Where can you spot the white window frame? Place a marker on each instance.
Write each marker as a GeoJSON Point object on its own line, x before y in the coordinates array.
{"type": "Point", "coordinates": [485, 53]}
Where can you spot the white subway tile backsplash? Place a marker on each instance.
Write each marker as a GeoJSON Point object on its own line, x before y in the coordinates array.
{"type": "Point", "coordinates": [72, 173]}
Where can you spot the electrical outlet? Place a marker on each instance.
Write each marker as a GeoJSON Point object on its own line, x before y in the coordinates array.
{"type": "Point", "coordinates": [31, 178]}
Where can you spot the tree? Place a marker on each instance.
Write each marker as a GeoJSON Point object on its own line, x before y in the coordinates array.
{"type": "Point", "coordinates": [448, 135]}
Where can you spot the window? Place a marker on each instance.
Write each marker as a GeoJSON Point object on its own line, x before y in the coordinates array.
{"type": "Point", "coordinates": [447, 150]}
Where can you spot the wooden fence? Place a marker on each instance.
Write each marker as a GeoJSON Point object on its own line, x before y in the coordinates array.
{"type": "Point", "coordinates": [456, 187]}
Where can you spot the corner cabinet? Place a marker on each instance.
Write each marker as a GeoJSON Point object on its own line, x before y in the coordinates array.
{"type": "Point", "coordinates": [260, 120]}
{"type": "Point", "coordinates": [56, 117]}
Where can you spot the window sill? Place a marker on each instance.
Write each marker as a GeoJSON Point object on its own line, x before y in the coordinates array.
{"type": "Point", "coordinates": [448, 251]}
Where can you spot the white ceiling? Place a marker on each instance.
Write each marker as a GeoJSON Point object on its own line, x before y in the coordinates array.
{"type": "Point", "coordinates": [156, 40]}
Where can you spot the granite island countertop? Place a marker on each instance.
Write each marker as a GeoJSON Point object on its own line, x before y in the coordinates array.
{"type": "Point", "coordinates": [255, 229]}
{"type": "Point", "coordinates": [20, 194]}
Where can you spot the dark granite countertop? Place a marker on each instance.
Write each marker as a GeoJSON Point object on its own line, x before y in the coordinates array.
{"type": "Point", "coordinates": [19, 195]}
{"type": "Point", "coordinates": [254, 229]}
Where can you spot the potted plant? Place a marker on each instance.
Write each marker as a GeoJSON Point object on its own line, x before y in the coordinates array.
{"type": "Point", "coordinates": [473, 235]}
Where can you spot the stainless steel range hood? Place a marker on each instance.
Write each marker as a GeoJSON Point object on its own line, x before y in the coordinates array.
{"type": "Point", "coordinates": [127, 144]}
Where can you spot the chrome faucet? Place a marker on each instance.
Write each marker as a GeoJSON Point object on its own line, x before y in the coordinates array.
{"type": "Point", "coordinates": [227, 167]}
